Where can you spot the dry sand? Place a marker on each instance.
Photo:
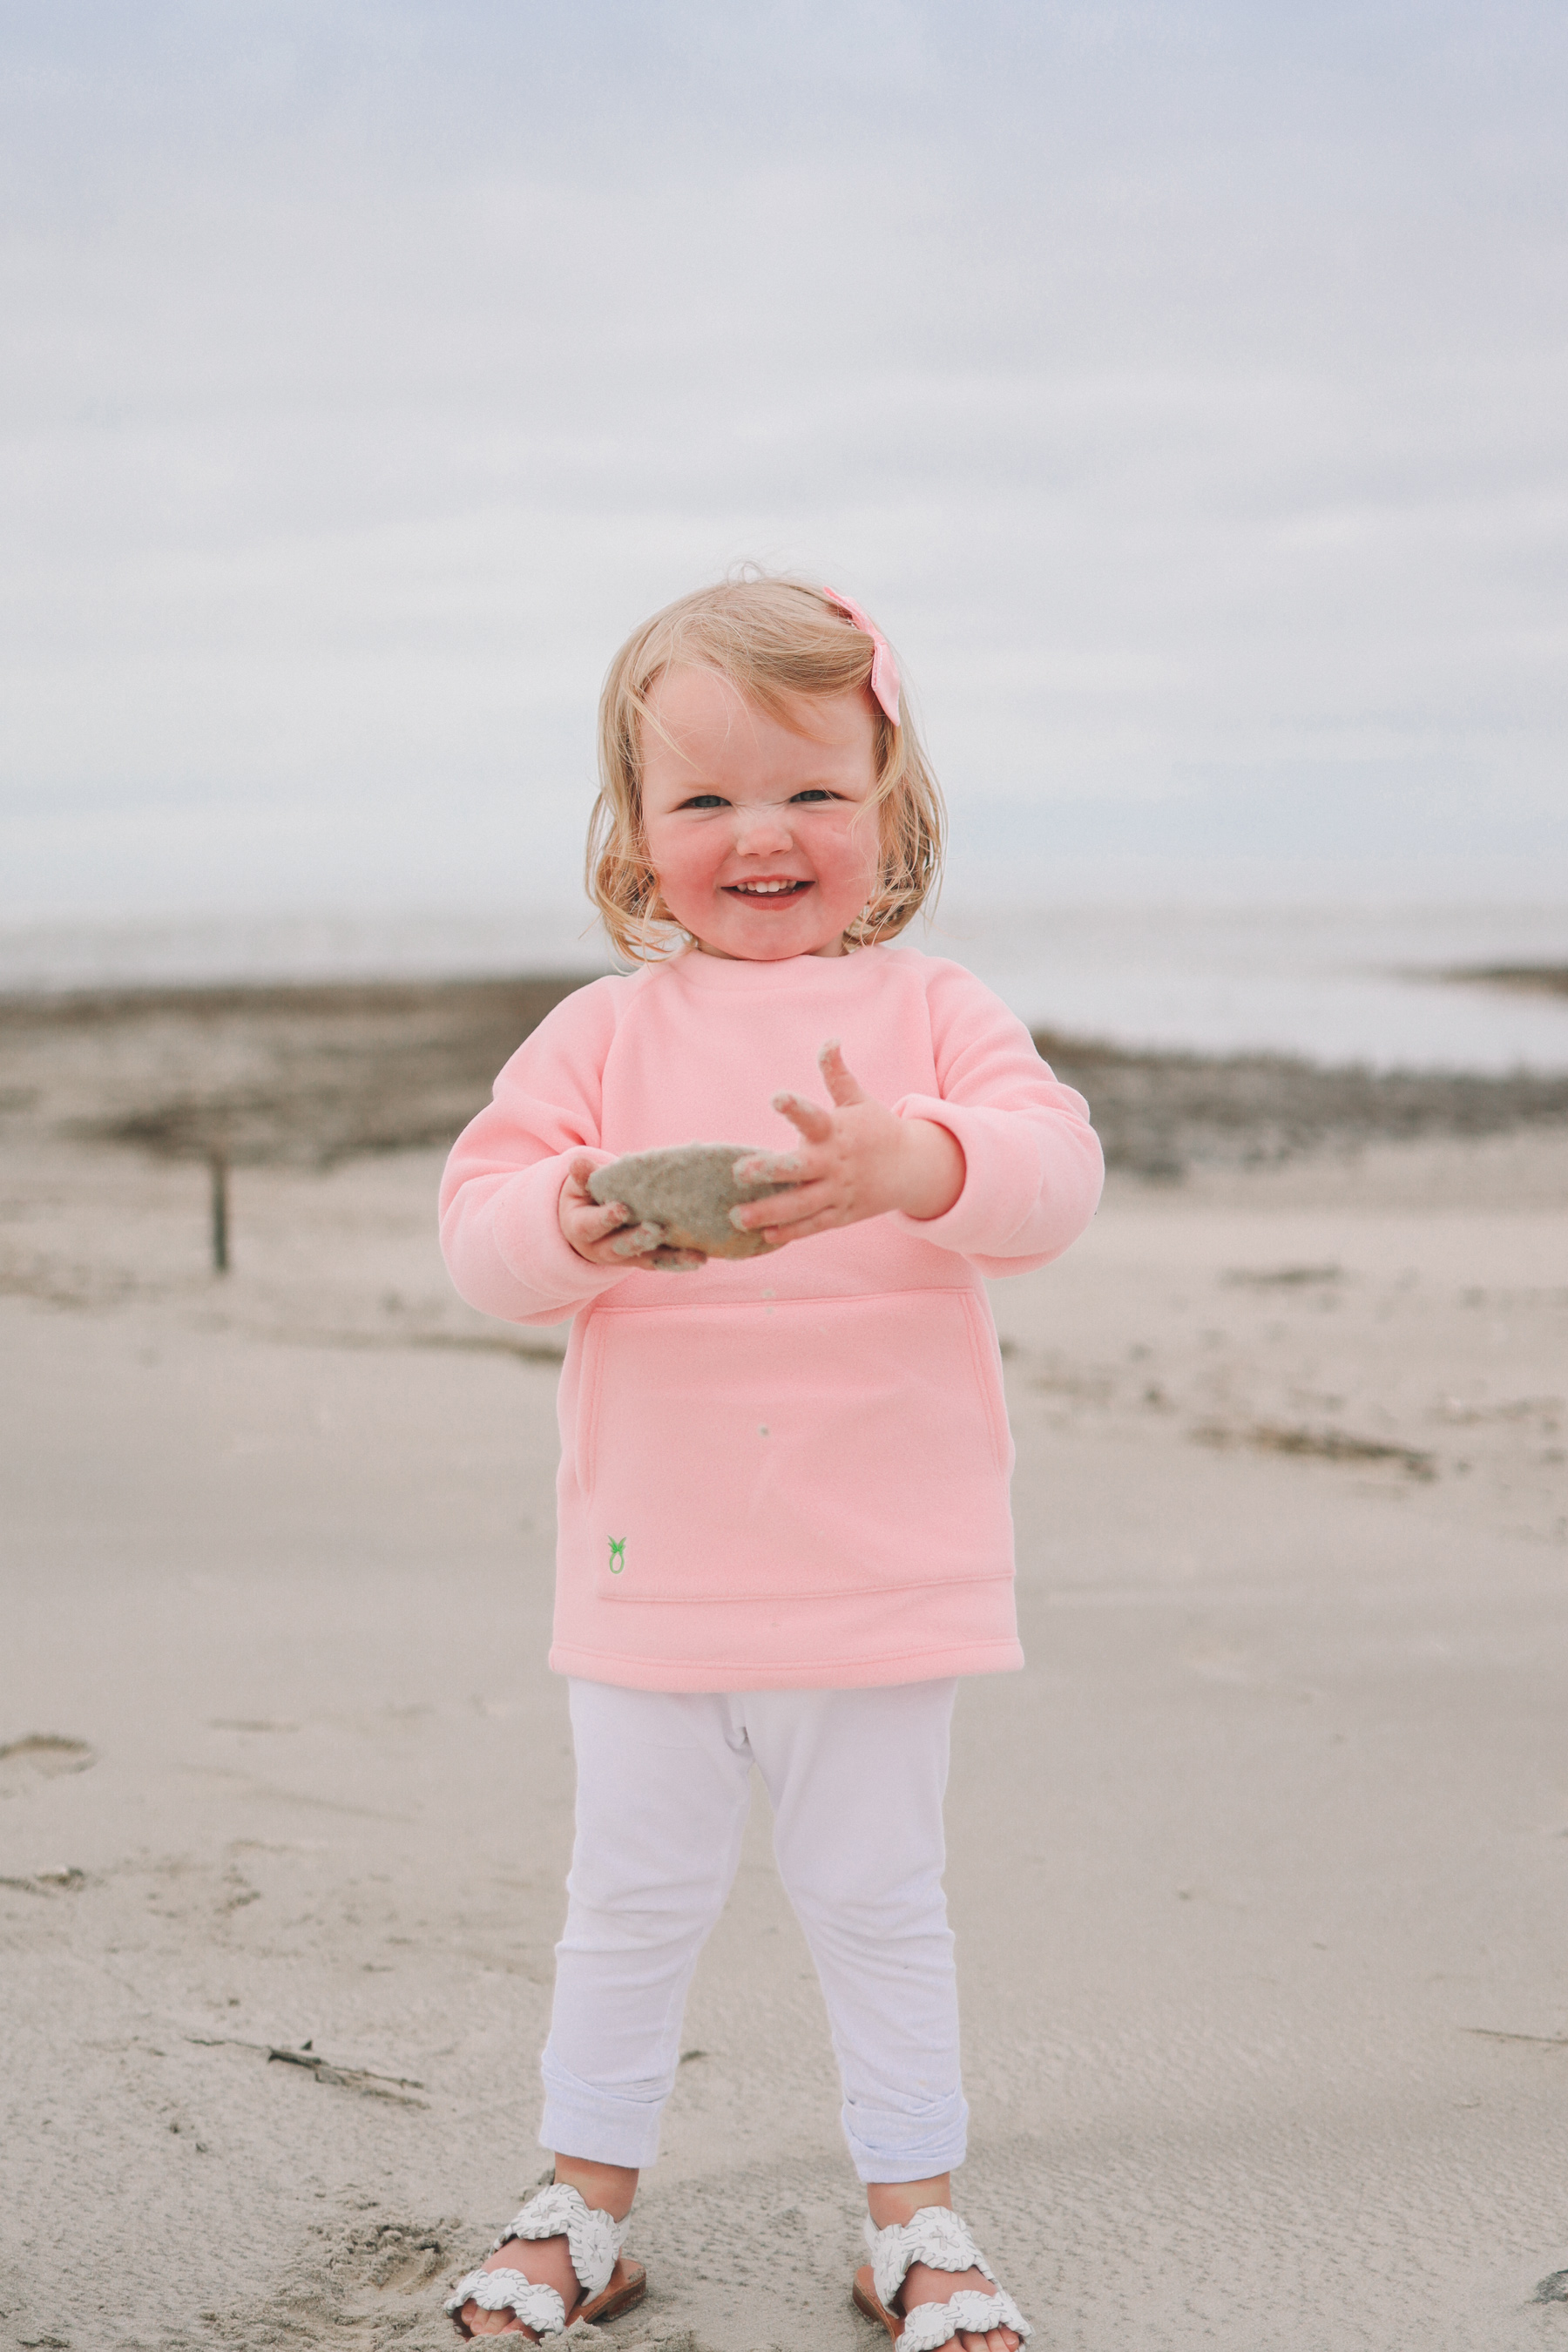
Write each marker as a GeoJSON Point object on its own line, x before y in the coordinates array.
{"type": "Point", "coordinates": [1261, 1872]}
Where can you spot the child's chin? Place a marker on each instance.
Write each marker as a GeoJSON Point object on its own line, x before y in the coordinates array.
{"type": "Point", "coordinates": [774, 947]}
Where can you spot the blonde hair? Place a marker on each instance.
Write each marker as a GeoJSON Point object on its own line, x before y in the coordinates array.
{"type": "Point", "coordinates": [774, 640]}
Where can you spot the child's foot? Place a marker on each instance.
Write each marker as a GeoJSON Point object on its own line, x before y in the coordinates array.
{"type": "Point", "coordinates": [605, 2188]}
{"type": "Point", "coordinates": [899, 2204]}
{"type": "Point", "coordinates": [545, 2262]}
{"type": "Point", "coordinates": [923, 2284]}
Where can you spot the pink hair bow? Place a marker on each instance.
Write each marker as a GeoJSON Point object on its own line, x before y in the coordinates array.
{"type": "Point", "coordinates": [884, 668]}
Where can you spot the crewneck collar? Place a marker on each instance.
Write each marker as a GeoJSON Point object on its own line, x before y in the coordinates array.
{"type": "Point", "coordinates": [797, 975]}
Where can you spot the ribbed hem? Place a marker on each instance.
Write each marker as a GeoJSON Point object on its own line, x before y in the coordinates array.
{"type": "Point", "coordinates": [1000, 1190]}
{"type": "Point", "coordinates": [730, 1673]}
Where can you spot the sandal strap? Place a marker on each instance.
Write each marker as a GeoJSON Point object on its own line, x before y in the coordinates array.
{"type": "Point", "coordinates": [939, 2238]}
{"type": "Point", "coordinates": [931, 2324]}
{"type": "Point", "coordinates": [593, 2239]}
{"type": "Point", "coordinates": [593, 2242]}
{"type": "Point", "coordinates": [539, 2307]}
{"type": "Point", "coordinates": [936, 2236]}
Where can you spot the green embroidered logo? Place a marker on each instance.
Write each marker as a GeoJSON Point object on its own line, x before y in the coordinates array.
{"type": "Point", "coordinates": [618, 1554]}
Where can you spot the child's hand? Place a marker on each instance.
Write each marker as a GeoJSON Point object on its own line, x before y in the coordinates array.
{"type": "Point", "coordinates": [855, 1161]}
{"type": "Point", "coordinates": [605, 1235]}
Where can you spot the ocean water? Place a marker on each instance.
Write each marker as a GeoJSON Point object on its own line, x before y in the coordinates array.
{"type": "Point", "coordinates": [1331, 984]}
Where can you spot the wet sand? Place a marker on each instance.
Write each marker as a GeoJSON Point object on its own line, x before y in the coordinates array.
{"type": "Point", "coordinates": [1260, 1871]}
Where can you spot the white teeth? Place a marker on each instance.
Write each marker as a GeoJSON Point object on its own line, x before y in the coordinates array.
{"type": "Point", "coordinates": [764, 889]}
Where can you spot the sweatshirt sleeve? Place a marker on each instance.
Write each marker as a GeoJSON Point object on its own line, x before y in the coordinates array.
{"type": "Point", "coordinates": [500, 1226]}
{"type": "Point", "coordinates": [1033, 1165]}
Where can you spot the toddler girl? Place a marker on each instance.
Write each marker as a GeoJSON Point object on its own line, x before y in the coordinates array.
{"type": "Point", "coordinates": [782, 1497]}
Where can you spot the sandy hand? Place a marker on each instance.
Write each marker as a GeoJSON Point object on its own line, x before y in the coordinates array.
{"type": "Point", "coordinates": [854, 1161]}
{"type": "Point", "coordinates": [609, 1235]}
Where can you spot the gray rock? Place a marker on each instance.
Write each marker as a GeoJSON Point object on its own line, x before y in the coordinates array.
{"type": "Point", "coordinates": [689, 1189]}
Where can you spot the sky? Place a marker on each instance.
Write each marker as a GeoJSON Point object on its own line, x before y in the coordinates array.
{"type": "Point", "coordinates": [1183, 387]}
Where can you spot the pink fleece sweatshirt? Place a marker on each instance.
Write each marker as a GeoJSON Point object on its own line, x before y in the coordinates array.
{"type": "Point", "coordinates": [789, 1471]}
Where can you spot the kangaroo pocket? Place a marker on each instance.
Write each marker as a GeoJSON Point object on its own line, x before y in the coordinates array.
{"type": "Point", "coordinates": [797, 1447]}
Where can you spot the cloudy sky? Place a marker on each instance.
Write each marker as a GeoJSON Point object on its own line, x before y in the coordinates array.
{"type": "Point", "coordinates": [1185, 387]}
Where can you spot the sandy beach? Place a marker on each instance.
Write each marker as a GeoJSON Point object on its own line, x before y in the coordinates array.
{"type": "Point", "coordinates": [1259, 1872]}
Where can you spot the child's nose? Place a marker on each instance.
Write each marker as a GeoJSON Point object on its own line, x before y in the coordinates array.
{"type": "Point", "coordinates": [762, 831]}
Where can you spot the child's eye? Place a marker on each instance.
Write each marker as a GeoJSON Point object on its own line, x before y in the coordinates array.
{"type": "Point", "coordinates": [815, 793]}
{"type": "Point", "coordinates": [703, 801]}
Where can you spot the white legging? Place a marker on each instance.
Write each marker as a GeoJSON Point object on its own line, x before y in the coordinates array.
{"type": "Point", "coordinates": [857, 1779]}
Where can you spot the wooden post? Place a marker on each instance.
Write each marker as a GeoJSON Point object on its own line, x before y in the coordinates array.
{"type": "Point", "coordinates": [218, 1164]}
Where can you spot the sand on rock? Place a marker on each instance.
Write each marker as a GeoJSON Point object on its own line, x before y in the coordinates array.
{"type": "Point", "coordinates": [689, 1189]}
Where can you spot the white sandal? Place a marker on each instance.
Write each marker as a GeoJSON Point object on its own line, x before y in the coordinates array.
{"type": "Point", "coordinates": [609, 2283]}
{"type": "Point", "coordinates": [937, 2237]}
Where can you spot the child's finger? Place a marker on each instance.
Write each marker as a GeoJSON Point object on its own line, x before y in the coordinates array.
{"type": "Point", "coordinates": [607, 1220]}
{"type": "Point", "coordinates": [810, 1118]}
{"type": "Point", "coordinates": [783, 1209]}
{"type": "Point", "coordinates": [771, 1168]}
{"type": "Point", "coordinates": [839, 1080]}
{"type": "Point", "coordinates": [636, 1239]}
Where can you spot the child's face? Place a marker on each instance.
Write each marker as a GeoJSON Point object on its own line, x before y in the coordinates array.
{"type": "Point", "coordinates": [748, 822]}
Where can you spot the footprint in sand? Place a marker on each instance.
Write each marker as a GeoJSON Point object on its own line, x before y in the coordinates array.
{"type": "Point", "coordinates": [26, 1764]}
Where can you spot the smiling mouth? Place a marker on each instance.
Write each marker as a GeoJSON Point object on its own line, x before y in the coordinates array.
{"type": "Point", "coordinates": [778, 893]}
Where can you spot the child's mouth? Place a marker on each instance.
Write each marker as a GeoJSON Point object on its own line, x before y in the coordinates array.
{"type": "Point", "coordinates": [767, 894]}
